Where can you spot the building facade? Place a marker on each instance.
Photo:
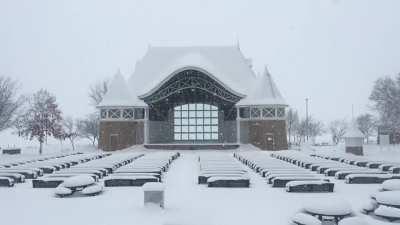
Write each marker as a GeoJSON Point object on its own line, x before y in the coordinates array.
{"type": "Point", "coordinates": [193, 96]}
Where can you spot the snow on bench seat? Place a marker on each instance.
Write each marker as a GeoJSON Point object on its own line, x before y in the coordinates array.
{"type": "Point", "coordinates": [61, 191]}
{"type": "Point", "coordinates": [281, 181]}
{"type": "Point", "coordinates": [309, 186]}
{"type": "Point", "coordinates": [341, 175]}
{"type": "Point", "coordinates": [28, 173]}
{"type": "Point", "coordinates": [6, 182]}
{"type": "Point", "coordinates": [369, 178]}
{"type": "Point", "coordinates": [352, 221]}
{"type": "Point", "coordinates": [388, 198]}
{"type": "Point", "coordinates": [271, 177]}
{"type": "Point", "coordinates": [18, 178]}
{"type": "Point", "coordinates": [329, 207]}
{"type": "Point", "coordinates": [92, 190]}
{"type": "Point", "coordinates": [387, 212]}
{"type": "Point", "coordinates": [78, 182]}
{"type": "Point", "coordinates": [231, 182]}
{"type": "Point", "coordinates": [305, 219]}
{"type": "Point", "coordinates": [134, 180]}
{"type": "Point", "coordinates": [48, 182]}
{"type": "Point", "coordinates": [203, 177]}
{"type": "Point", "coordinates": [389, 185]}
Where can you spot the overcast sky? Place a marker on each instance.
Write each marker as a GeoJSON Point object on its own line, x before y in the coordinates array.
{"type": "Point", "coordinates": [328, 50]}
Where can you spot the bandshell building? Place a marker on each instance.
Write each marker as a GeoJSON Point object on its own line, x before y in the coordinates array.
{"type": "Point", "coordinates": [193, 98]}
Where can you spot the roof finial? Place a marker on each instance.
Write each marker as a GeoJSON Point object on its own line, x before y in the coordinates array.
{"type": "Point", "coordinates": [237, 42]}
{"type": "Point", "coordinates": [266, 71]}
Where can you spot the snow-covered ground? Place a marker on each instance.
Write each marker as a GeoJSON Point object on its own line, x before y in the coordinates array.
{"type": "Point", "coordinates": [186, 202]}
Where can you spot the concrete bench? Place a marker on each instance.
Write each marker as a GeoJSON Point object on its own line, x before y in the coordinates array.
{"type": "Point", "coordinates": [367, 178]}
{"type": "Point", "coordinates": [282, 181]}
{"type": "Point", "coordinates": [309, 186]}
{"type": "Point", "coordinates": [6, 182]}
{"type": "Point", "coordinates": [231, 182]}
{"type": "Point", "coordinates": [121, 181]}
{"type": "Point", "coordinates": [12, 151]}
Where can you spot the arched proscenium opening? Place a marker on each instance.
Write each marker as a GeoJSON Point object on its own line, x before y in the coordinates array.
{"type": "Point", "coordinates": [192, 107]}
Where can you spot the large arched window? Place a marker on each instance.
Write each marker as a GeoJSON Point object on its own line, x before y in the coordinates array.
{"type": "Point", "coordinates": [195, 122]}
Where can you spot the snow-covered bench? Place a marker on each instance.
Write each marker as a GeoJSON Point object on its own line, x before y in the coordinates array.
{"type": "Point", "coordinates": [282, 181]}
{"type": "Point", "coordinates": [391, 185]}
{"type": "Point", "coordinates": [18, 178]}
{"type": "Point", "coordinates": [367, 178]}
{"type": "Point", "coordinates": [229, 181]}
{"type": "Point", "coordinates": [82, 184]}
{"type": "Point", "coordinates": [305, 219]}
{"type": "Point", "coordinates": [310, 186]}
{"type": "Point", "coordinates": [6, 182]}
{"type": "Point", "coordinates": [133, 180]}
{"type": "Point", "coordinates": [390, 213]}
{"type": "Point", "coordinates": [341, 175]}
{"type": "Point", "coordinates": [28, 173]}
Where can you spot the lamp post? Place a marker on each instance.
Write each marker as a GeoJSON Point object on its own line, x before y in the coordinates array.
{"type": "Point", "coordinates": [307, 125]}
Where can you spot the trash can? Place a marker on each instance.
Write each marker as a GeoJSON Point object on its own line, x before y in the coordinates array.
{"type": "Point", "coordinates": [154, 193]}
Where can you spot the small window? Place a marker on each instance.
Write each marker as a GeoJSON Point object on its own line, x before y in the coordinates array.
{"type": "Point", "coordinates": [280, 112]}
{"type": "Point", "coordinates": [244, 112]}
{"type": "Point", "coordinates": [255, 113]}
{"type": "Point", "coordinates": [268, 112]}
{"type": "Point", "coordinates": [127, 113]}
{"type": "Point", "coordinates": [139, 113]}
{"type": "Point", "coordinates": [103, 113]}
{"type": "Point", "coordinates": [114, 113]}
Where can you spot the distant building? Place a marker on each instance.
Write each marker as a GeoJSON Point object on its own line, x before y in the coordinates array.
{"type": "Point", "coordinates": [193, 97]}
{"type": "Point", "coordinates": [388, 136]}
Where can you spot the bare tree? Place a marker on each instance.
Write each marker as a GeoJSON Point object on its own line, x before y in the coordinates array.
{"type": "Point", "coordinates": [312, 127]}
{"type": "Point", "coordinates": [292, 123]}
{"type": "Point", "coordinates": [97, 92]}
{"type": "Point", "coordinates": [367, 125]}
{"type": "Point", "coordinates": [337, 128]}
{"type": "Point", "coordinates": [386, 98]}
{"type": "Point", "coordinates": [41, 119]}
{"type": "Point", "coordinates": [89, 128]}
{"type": "Point", "coordinates": [70, 130]}
{"type": "Point", "coordinates": [9, 102]}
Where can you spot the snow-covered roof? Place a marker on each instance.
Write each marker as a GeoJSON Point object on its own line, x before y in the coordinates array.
{"type": "Point", "coordinates": [265, 91]}
{"type": "Point", "coordinates": [225, 64]}
{"type": "Point", "coordinates": [119, 94]}
{"type": "Point", "coordinates": [353, 131]}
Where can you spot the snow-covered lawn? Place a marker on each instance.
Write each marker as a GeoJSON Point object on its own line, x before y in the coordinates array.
{"type": "Point", "coordinates": [187, 203]}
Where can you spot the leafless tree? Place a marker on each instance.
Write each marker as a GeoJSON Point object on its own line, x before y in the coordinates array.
{"type": "Point", "coordinates": [386, 98]}
{"type": "Point", "coordinates": [70, 130]}
{"type": "Point", "coordinates": [367, 125]}
{"type": "Point", "coordinates": [97, 92]}
{"type": "Point", "coordinates": [9, 102]}
{"type": "Point", "coordinates": [292, 123]}
{"type": "Point", "coordinates": [312, 128]}
{"type": "Point", "coordinates": [41, 119]}
{"type": "Point", "coordinates": [337, 128]}
{"type": "Point", "coordinates": [89, 128]}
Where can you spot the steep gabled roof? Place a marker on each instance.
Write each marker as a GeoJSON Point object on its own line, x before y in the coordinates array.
{"type": "Point", "coordinates": [119, 93]}
{"type": "Point", "coordinates": [264, 91]}
{"type": "Point", "coordinates": [353, 131]}
{"type": "Point", "coordinates": [224, 64]}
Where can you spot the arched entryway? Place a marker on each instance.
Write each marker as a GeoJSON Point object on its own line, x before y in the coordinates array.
{"type": "Point", "coordinates": [192, 107]}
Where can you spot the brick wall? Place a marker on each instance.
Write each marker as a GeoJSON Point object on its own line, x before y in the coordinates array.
{"type": "Point", "coordinates": [257, 132]}
{"type": "Point", "coordinates": [115, 135]}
